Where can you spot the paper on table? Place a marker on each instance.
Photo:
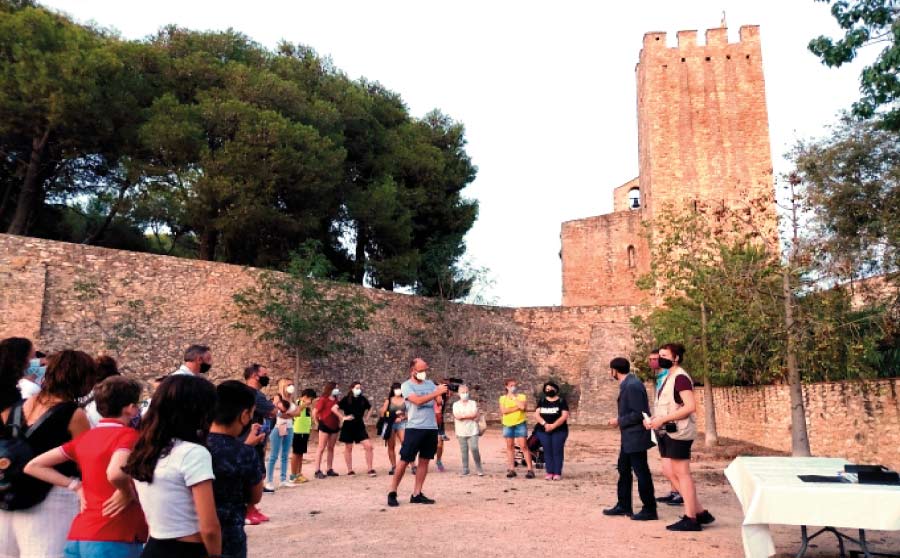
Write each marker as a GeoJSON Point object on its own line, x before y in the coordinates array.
{"type": "Point", "coordinates": [652, 432]}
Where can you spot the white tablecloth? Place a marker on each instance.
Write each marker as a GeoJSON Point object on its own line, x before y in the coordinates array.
{"type": "Point", "coordinates": [770, 493]}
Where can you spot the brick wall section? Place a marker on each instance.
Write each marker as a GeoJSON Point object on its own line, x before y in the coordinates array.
{"type": "Point", "coordinates": [595, 263]}
{"type": "Point", "coordinates": [858, 420]}
{"type": "Point", "coordinates": [190, 301]}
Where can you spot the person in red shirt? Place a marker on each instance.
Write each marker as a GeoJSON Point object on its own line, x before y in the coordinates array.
{"type": "Point", "coordinates": [328, 417]}
{"type": "Point", "coordinates": [111, 522]}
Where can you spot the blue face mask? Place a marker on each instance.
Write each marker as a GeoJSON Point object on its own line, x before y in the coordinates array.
{"type": "Point", "coordinates": [660, 378]}
{"type": "Point", "coordinates": [35, 369]}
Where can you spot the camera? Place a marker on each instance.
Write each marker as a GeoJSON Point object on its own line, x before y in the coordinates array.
{"type": "Point", "coordinates": [671, 427]}
{"type": "Point", "coordinates": [454, 383]}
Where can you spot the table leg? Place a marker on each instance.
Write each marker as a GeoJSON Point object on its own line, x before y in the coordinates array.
{"type": "Point", "coordinates": [862, 544]}
{"type": "Point", "coordinates": [757, 541]}
{"type": "Point", "coordinates": [804, 542]}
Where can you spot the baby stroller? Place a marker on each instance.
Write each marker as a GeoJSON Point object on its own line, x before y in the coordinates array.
{"type": "Point", "coordinates": [534, 448]}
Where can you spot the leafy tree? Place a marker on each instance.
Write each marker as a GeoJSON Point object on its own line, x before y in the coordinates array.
{"type": "Point", "coordinates": [302, 314]}
{"type": "Point", "coordinates": [868, 23]}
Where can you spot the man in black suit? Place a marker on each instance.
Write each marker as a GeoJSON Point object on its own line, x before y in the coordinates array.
{"type": "Point", "coordinates": [633, 403]}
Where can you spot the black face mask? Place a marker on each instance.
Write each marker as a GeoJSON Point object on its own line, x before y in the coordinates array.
{"type": "Point", "coordinates": [665, 363]}
{"type": "Point", "coordinates": [263, 381]}
{"type": "Point", "coordinates": [550, 392]}
{"type": "Point", "coordinates": [204, 367]}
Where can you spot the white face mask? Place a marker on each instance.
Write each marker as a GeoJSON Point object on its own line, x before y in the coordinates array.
{"type": "Point", "coordinates": [289, 389]}
{"type": "Point", "coordinates": [335, 392]}
{"type": "Point", "coordinates": [512, 389]}
{"type": "Point", "coordinates": [421, 376]}
{"type": "Point", "coordinates": [398, 392]}
{"type": "Point", "coordinates": [464, 396]}
{"type": "Point", "coordinates": [357, 391]}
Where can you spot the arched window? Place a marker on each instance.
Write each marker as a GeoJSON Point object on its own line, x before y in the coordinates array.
{"type": "Point", "coordinates": [634, 198]}
{"type": "Point", "coordinates": [632, 259]}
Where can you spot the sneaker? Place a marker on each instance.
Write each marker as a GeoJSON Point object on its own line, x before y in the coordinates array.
{"type": "Point", "coordinates": [529, 474]}
{"type": "Point", "coordinates": [349, 473]}
{"type": "Point", "coordinates": [685, 524]}
{"type": "Point", "coordinates": [705, 518]}
{"type": "Point", "coordinates": [331, 473]}
{"type": "Point", "coordinates": [391, 472]}
{"type": "Point", "coordinates": [319, 475]}
{"type": "Point", "coordinates": [300, 479]}
{"type": "Point", "coordinates": [617, 510]}
{"type": "Point", "coordinates": [269, 487]}
{"type": "Point", "coordinates": [676, 500]}
{"type": "Point", "coordinates": [286, 484]}
{"type": "Point", "coordinates": [480, 473]}
{"type": "Point", "coordinates": [251, 519]}
{"type": "Point", "coordinates": [548, 477]}
{"type": "Point", "coordinates": [645, 515]}
{"type": "Point", "coordinates": [420, 499]}
{"type": "Point", "coordinates": [440, 467]}
{"type": "Point", "coordinates": [414, 468]}
{"type": "Point", "coordinates": [668, 498]}
{"type": "Point", "coordinates": [510, 474]}
{"type": "Point", "coordinates": [254, 513]}
{"type": "Point", "coordinates": [464, 473]}
{"type": "Point", "coordinates": [371, 473]}
{"type": "Point", "coordinates": [392, 499]}
{"type": "Point", "coordinates": [557, 477]}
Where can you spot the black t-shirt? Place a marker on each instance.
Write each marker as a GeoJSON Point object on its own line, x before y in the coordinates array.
{"type": "Point", "coordinates": [356, 406]}
{"type": "Point", "coordinates": [550, 411]}
{"type": "Point", "coordinates": [237, 470]}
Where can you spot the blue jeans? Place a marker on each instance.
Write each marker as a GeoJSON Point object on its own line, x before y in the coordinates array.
{"type": "Point", "coordinates": [467, 443]}
{"type": "Point", "coordinates": [554, 449]}
{"type": "Point", "coordinates": [280, 445]}
{"type": "Point", "coordinates": [102, 549]}
{"type": "Point", "coordinates": [518, 431]}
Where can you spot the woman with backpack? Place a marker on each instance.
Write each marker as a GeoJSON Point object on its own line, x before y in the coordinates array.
{"type": "Point", "coordinates": [36, 516]}
{"type": "Point", "coordinates": [173, 470]}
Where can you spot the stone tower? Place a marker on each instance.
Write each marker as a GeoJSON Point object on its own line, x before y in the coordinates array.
{"type": "Point", "coordinates": [703, 138]}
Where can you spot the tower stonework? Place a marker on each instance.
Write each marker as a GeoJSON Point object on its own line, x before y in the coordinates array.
{"type": "Point", "coordinates": [703, 137]}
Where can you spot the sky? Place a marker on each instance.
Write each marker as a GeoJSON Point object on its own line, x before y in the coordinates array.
{"type": "Point", "coordinates": [546, 92]}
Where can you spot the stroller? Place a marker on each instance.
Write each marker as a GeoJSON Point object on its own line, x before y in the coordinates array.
{"type": "Point", "coordinates": [534, 448]}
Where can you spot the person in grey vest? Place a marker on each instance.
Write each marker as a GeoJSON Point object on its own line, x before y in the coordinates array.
{"type": "Point", "coordinates": [675, 426]}
{"type": "Point", "coordinates": [635, 441]}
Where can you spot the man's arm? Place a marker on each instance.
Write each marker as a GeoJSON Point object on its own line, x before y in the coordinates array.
{"type": "Point", "coordinates": [633, 409]}
{"type": "Point", "coordinates": [421, 399]}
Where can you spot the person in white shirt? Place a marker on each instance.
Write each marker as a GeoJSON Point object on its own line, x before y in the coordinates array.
{"type": "Point", "coordinates": [197, 361]}
{"type": "Point", "coordinates": [30, 384]}
{"type": "Point", "coordinates": [465, 413]}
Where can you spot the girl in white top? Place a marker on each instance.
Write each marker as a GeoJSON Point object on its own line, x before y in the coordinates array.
{"type": "Point", "coordinates": [465, 414]}
{"type": "Point", "coordinates": [173, 471]}
{"type": "Point", "coordinates": [282, 436]}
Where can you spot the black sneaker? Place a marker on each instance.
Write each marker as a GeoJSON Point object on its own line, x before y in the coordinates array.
{"type": "Point", "coordinates": [617, 510]}
{"type": "Point", "coordinates": [320, 475]}
{"type": "Point", "coordinates": [331, 473]}
{"type": "Point", "coordinates": [510, 474]}
{"type": "Point", "coordinates": [669, 497]}
{"type": "Point", "coordinates": [529, 474]}
{"type": "Point", "coordinates": [685, 524]}
{"type": "Point", "coordinates": [420, 499]}
{"type": "Point", "coordinates": [676, 500]}
{"type": "Point", "coordinates": [645, 515]}
{"type": "Point", "coordinates": [349, 473]}
{"type": "Point", "coordinates": [392, 499]}
{"type": "Point", "coordinates": [705, 518]}
{"type": "Point", "coordinates": [391, 472]}
{"type": "Point", "coordinates": [372, 472]}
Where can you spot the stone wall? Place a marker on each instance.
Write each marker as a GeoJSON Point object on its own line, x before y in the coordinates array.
{"type": "Point", "coordinates": [69, 295]}
{"type": "Point", "coordinates": [857, 420]}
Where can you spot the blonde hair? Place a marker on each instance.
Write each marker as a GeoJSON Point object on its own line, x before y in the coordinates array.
{"type": "Point", "coordinates": [282, 384]}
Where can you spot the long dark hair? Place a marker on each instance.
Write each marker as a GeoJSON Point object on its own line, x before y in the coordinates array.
{"type": "Point", "coordinates": [14, 353]}
{"type": "Point", "coordinates": [395, 385]}
{"type": "Point", "coordinates": [181, 409]}
{"type": "Point", "coordinates": [70, 375]}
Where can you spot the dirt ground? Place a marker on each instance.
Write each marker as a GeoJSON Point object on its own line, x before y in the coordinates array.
{"type": "Point", "coordinates": [493, 515]}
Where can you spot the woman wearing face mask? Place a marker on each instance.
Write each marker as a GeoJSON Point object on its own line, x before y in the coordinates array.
{"type": "Point", "coordinates": [465, 413]}
{"type": "Point", "coordinates": [552, 415]}
{"type": "Point", "coordinates": [329, 424]}
{"type": "Point", "coordinates": [673, 420]}
{"type": "Point", "coordinates": [283, 434]}
{"type": "Point", "coordinates": [354, 410]}
{"type": "Point", "coordinates": [394, 407]}
{"type": "Point", "coordinates": [515, 427]}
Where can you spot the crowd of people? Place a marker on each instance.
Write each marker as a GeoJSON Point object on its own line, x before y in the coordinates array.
{"type": "Point", "coordinates": [89, 468]}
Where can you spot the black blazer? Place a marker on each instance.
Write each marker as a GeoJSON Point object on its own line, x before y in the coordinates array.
{"type": "Point", "coordinates": [632, 402]}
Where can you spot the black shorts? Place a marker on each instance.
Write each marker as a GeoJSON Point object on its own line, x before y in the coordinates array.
{"type": "Point", "coordinates": [418, 442]}
{"type": "Point", "coordinates": [327, 429]}
{"type": "Point", "coordinates": [300, 443]}
{"type": "Point", "coordinates": [674, 449]}
{"type": "Point", "coordinates": [353, 433]}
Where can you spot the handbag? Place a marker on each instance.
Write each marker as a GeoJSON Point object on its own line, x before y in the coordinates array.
{"type": "Point", "coordinates": [482, 425]}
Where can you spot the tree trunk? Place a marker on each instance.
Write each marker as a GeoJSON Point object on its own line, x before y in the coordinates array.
{"type": "Point", "coordinates": [30, 186]}
{"type": "Point", "coordinates": [98, 234]}
{"type": "Point", "coordinates": [208, 241]}
{"type": "Point", "coordinates": [709, 402]}
{"type": "Point", "coordinates": [799, 435]}
{"type": "Point", "coordinates": [359, 271]}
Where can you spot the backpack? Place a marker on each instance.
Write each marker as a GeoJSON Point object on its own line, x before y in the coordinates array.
{"type": "Point", "coordinates": [15, 453]}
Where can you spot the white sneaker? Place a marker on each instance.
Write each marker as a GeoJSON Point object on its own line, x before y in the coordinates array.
{"type": "Point", "coordinates": [286, 484]}
{"type": "Point", "coordinates": [268, 487]}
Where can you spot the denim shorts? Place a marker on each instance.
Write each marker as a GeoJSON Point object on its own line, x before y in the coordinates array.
{"type": "Point", "coordinates": [518, 431]}
{"type": "Point", "coordinates": [102, 549]}
{"type": "Point", "coordinates": [398, 426]}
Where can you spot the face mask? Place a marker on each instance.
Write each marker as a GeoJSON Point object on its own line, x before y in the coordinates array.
{"type": "Point", "coordinates": [464, 396]}
{"type": "Point", "coordinates": [357, 392]}
{"type": "Point", "coordinates": [35, 369]}
{"type": "Point", "coordinates": [398, 392]}
{"type": "Point", "coordinates": [289, 389]}
{"type": "Point", "coordinates": [421, 376]}
{"type": "Point", "coordinates": [335, 392]}
{"type": "Point", "coordinates": [263, 381]}
{"type": "Point", "coordinates": [550, 392]}
{"type": "Point", "coordinates": [204, 367]}
{"type": "Point", "coordinates": [511, 389]}
{"type": "Point", "coordinates": [665, 363]}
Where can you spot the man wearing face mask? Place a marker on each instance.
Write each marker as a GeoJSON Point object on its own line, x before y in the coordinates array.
{"type": "Point", "coordinates": [257, 377]}
{"type": "Point", "coordinates": [635, 441]}
{"type": "Point", "coordinates": [420, 437]}
{"type": "Point", "coordinates": [197, 361]}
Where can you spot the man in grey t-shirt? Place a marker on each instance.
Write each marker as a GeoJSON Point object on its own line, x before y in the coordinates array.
{"type": "Point", "coordinates": [420, 436]}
